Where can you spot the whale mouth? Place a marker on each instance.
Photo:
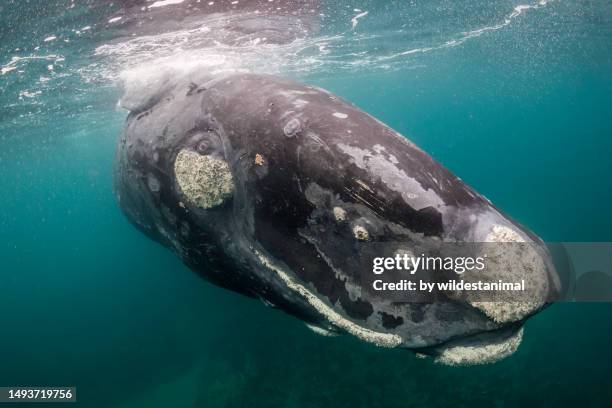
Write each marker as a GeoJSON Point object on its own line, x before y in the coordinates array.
{"type": "Point", "coordinates": [480, 348]}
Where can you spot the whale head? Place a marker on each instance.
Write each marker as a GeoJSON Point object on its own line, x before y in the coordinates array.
{"type": "Point", "coordinates": [285, 193]}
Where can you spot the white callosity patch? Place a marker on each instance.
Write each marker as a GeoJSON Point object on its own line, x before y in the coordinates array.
{"type": "Point", "coordinates": [516, 261]}
{"type": "Point", "coordinates": [379, 166]}
{"type": "Point", "coordinates": [339, 214]}
{"type": "Point", "coordinates": [206, 181]}
{"type": "Point", "coordinates": [474, 351]}
{"type": "Point", "coordinates": [371, 336]}
{"type": "Point", "coordinates": [361, 233]}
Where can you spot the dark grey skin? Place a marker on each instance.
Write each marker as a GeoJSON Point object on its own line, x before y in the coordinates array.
{"type": "Point", "coordinates": [314, 181]}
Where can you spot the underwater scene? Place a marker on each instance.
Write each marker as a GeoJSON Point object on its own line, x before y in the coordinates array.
{"type": "Point", "coordinates": [186, 187]}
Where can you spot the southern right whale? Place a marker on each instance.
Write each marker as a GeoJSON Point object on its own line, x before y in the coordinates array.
{"type": "Point", "coordinates": [273, 189]}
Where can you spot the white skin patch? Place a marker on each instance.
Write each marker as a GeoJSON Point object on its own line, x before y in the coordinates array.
{"type": "Point", "coordinates": [300, 103]}
{"type": "Point", "coordinates": [292, 127]}
{"type": "Point", "coordinates": [206, 181]}
{"type": "Point", "coordinates": [375, 162]}
{"type": "Point", "coordinates": [340, 115]}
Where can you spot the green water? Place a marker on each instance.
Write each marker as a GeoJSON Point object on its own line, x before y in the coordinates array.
{"type": "Point", "coordinates": [522, 113]}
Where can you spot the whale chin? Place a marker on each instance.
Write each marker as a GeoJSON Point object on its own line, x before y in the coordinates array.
{"type": "Point", "coordinates": [482, 348]}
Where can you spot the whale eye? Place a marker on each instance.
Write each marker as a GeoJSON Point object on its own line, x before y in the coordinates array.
{"type": "Point", "coordinates": [206, 142]}
{"type": "Point", "coordinates": [203, 146]}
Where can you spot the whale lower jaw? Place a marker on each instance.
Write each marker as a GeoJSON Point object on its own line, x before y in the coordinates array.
{"type": "Point", "coordinates": [479, 349]}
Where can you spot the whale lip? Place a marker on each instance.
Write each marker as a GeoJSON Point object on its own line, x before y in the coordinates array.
{"type": "Point", "coordinates": [477, 348]}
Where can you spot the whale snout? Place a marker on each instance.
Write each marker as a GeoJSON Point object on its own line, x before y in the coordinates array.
{"type": "Point", "coordinates": [522, 264]}
{"type": "Point", "coordinates": [516, 276]}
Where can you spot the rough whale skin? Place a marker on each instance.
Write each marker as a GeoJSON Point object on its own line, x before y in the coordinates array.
{"type": "Point", "coordinates": [271, 188]}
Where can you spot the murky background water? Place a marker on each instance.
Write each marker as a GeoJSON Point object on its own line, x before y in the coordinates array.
{"type": "Point", "coordinates": [515, 97]}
